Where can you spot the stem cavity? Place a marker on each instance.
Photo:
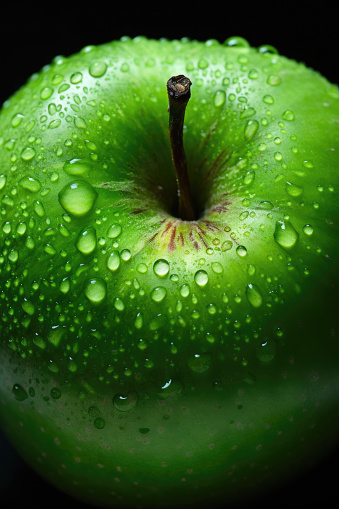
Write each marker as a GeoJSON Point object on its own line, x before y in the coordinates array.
{"type": "Point", "coordinates": [179, 93]}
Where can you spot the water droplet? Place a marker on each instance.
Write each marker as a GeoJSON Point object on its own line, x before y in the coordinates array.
{"type": "Point", "coordinates": [55, 393]}
{"type": "Point", "coordinates": [285, 235]}
{"type": "Point", "coordinates": [227, 245]}
{"type": "Point", "coordinates": [99, 423]}
{"type": "Point", "coordinates": [171, 388]}
{"type": "Point", "coordinates": [251, 270]}
{"type": "Point", "coordinates": [266, 351]}
{"type": "Point", "coordinates": [308, 229]}
{"type": "Point", "coordinates": [30, 184]}
{"type": "Point", "coordinates": [158, 293]}
{"type": "Point", "coordinates": [266, 205]}
{"type": "Point", "coordinates": [161, 268]}
{"type": "Point", "coordinates": [86, 241]}
{"type": "Point", "coordinates": [251, 129]}
{"type": "Point", "coordinates": [17, 119]}
{"type": "Point", "coordinates": [241, 251]}
{"type": "Point", "coordinates": [293, 189]}
{"type": "Point", "coordinates": [21, 228]}
{"type": "Point", "coordinates": [219, 98]}
{"type": "Point", "coordinates": [288, 115]}
{"type": "Point", "coordinates": [78, 197]}
{"type": "Point", "coordinates": [125, 255]}
{"type": "Point", "coordinates": [200, 363]}
{"type": "Point", "coordinates": [3, 180]}
{"type": "Point", "coordinates": [65, 285]}
{"type": "Point", "coordinates": [253, 295]}
{"type": "Point", "coordinates": [138, 321]}
{"type": "Point", "coordinates": [249, 177]}
{"type": "Point", "coordinates": [76, 78]}
{"type": "Point", "coordinates": [119, 304]}
{"type": "Point", "coordinates": [268, 99]}
{"type": "Point", "coordinates": [142, 268]}
{"type": "Point", "coordinates": [249, 112]}
{"type": "Point", "coordinates": [46, 93]}
{"type": "Point", "coordinates": [217, 267]}
{"type": "Point", "coordinates": [124, 403]}
{"type": "Point", "coordinates": [113, 261]}
{"type": "Point", "coordinates": [19, 392]}
{"type": "Point", "coordinates": [97, 69]}
{"type": "Point", "coordinates": [39, 209]}
{"type": "Point", "coordinates": [201, 278]}
{"type": "Point", "coordinates": [77, 167]}
{"type": "Point", "coordinates": [95, 290]}
{"type": "Point", "coordinates": [28, 153]}
{"type": "Point", "coordinates": [273, 80]}
{"type": "Point", "coordinates": [80, 122]}
{"type": "Point", "coordinates": [238, 42]}
{"type": "Point", "coordinates": [114, 231]}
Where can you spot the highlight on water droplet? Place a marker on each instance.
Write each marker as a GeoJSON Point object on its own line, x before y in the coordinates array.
{"type": "Point", "coordinates": [254, 295]}
{"type": "Point", "coordinates": [285, 235]}
{"type": "Point", "coordinates": [95, 290]}
{"type": "Point", "coordinates": [19, 392]}
{"type": "Point", "coordinates": [78, 197]}
{"type": "Point", "coordinates": [241, 251]}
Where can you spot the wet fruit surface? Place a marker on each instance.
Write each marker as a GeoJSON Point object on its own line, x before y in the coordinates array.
{"type": "Point", "coordinates": [145, 358]}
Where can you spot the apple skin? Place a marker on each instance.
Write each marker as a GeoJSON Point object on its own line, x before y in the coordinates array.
{"type": "Point", "coordinates": [148, 361]}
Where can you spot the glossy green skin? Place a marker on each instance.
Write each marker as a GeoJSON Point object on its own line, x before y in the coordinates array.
{"type": "Point", "coordinates": [221, 387]}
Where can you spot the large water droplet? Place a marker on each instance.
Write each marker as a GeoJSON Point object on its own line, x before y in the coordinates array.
{"type": "Point", "coordinates": [113, 261]}
{"type": "Point", "coordinates": [114, 231]}
{"type": "Point", "coordinates": [266, 351]}
{"type": "Point", "coordinates": [161, 268]}
{"type": "Point", "coordinates": [251, 129]}
{"type": "Point", "coordinates": [241, 251]}
{"type": "Point", "coordinates": [253, 295]}
{"type": "Point", "coordinates": [285, 235]}
{"type": "Point", "coordinates": [201, 278]}
{"type": "Point", "coordinates": [124, 403]}
{"type": "Point", "coordinates": [30, 184]}
{"type": "Point", "coordinates": [95, 290]}
{"type": "Point", "coordinates": [293, 189]}
{"type": "Point", "coordinates": [77, 167]}
{"type": "Point", "coordinates": [158, 294]}
{"type": "Point", "coordinates": [78, 198]}
{"type": "Point", "coordinates": [200, 363]}
{"type": "Point", "coordinates": [97, 69]}
{"type": "Point", "coordinates": [19, 392]}
{"type": "Point", "coordinates": [86, 241]}
{"type": "Point", "coordinates": [28, 153]}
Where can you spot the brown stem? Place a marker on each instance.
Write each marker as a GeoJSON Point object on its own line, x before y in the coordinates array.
{"type": "Point", "coordinates": [179, 93]}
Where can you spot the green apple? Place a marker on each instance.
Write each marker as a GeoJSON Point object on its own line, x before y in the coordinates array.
{"type": "Point", "coordinates": [169, 280]}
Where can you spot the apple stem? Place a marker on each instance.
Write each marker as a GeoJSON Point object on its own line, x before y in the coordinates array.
{"type": "Point", "coordinates": [179, 93]}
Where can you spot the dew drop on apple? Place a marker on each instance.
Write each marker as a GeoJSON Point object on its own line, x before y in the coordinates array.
{"type": "Point", "coordinates": [77, 167]}
{"type": "Point", "coordinates": [99, 423]}
{"type": "Point", "coordinates": [158, 294]}
{"type": "Point", "coordinates": [3, 180]}
{"type": "Point", "coordinates": [217, 267]}
{"type": "Point", "coordinates": [76, 78]}
{"type": "Point", "coordinates": [267, 351]}
{"type": "Point", "coordinates": [19, 392]}
{"type": "Point", "coordinates": [227, 245]}
{"type": "Point", "coordinates": [201, 278]}
{"type": "Point", "coordinates": [288, 115]}
{"type": "Point", "coordinates": [65, 285]}
{"type": "Point", "coordinates": [55, 393]}
{"type": "Point", "coordinates": [142, 268]}
{"type": "Point", "coordinates": [97, 69]}
{"type": "Point", "coordinates": [173, 387]}
{"type": "Point", "coordinates": [95, 290]}
{"type": "Point", "coordinates": [251, 129]}
{"type": "Point", "coordinates": [114, 231]}
{"type": "Point", "coordinates": [86, 241]}
{"type": "Point", "coordinates": [285, 235]}
{"type": "Point", "coordinates": [125, 255]}
{"type": "Point", "coordinates": [293, 190]}
{"type": "Point", "coordinates": [254, 295]}
{"type": "Point", "coordinates": [17, 119]}
{"type": "Point", "coordinates": [78, 198]}
{"type": "Point", "coordinates": [268, 99]}
{"type": "Point", "coordinates": [241, 251]}
{"type": "Point", "coordinates": [219, 98]}
{"type": "Point", "coordinates": [113, 261]}
{"type": "Point", "coordinates": [30, 184]}
{"type": "Point", "coordinates": [28, 154]}
{"type": "Point", "coordinates": [273, 80]}
{"type": "Point", "coordinates": [308, 229]}
{"type": "Point", "coordinates": [119, 304]}
{"type": "Point", "coordinates": [200, 363]}
{"type": "Point", "coordinates": [127, 402]}
{"type": "Point", "coordinates": [39, 209]}
{"type": "Point", "coordinates": [184, 290]}
{"type": "Point", "coordinates": [249, 112]}
{"type": "Point", "coordinates": [161, 268]}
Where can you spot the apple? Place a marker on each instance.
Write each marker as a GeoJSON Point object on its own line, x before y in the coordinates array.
{"type": "Point", "coordinates": [169, 271]}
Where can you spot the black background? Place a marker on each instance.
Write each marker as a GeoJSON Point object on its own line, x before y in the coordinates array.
{"type": "Point", "coordinates": [31, 35]}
